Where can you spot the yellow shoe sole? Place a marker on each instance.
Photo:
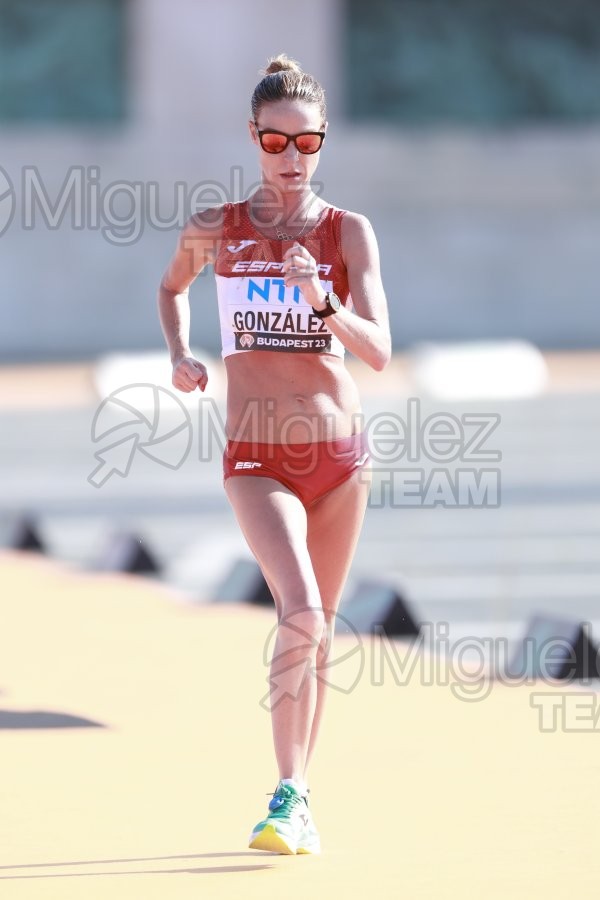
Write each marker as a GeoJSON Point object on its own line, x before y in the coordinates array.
{"type": "Point", "coordinates": [269, 839]}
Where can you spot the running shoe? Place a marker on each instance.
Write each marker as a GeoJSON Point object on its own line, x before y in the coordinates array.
{"type": "Point", "coordinates": [309, 841]}
{"type": "Point", "coordinates": [288, 827]}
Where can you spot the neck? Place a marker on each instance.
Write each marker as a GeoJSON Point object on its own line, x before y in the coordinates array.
{"type": "Point", "coordinates": [289, 207]}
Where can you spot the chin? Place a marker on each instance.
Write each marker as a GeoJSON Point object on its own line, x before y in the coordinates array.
{"type": "Point", "coordinates": [294, 186]}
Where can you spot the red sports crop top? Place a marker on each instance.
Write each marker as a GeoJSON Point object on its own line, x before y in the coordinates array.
{"type": "Point", "coordinates": [256, 310]}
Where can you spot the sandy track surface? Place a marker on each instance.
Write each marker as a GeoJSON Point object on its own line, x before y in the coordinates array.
{"type": "Point", "coordinates": [416, 793]}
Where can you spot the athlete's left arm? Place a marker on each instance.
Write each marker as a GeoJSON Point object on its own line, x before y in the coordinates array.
{"type": "Point", "coordinates": [366, 334]}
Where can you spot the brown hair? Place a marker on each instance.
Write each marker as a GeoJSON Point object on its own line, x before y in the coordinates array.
{"type": "Point", "coordinates": [284, 80]}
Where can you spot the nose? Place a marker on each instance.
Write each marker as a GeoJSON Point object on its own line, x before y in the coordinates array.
{"type": "Point", "coordinates": [291, 152]}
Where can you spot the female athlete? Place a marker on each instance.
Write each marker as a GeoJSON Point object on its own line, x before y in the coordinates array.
{"type": "Point", "coordinates": [298, 282]}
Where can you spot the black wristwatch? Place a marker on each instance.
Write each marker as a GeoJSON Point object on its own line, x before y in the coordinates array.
{"type": "Point", "coordinates": [333, 304]}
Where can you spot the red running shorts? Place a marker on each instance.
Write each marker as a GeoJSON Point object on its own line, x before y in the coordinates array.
{"type": "Point", "coordinates": [310, 470]}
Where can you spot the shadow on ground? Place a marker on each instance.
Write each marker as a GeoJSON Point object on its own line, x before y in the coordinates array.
{"type": "Point", "coordinates": [203, 870]}
{"type": "Point", "coordinates": [15, 718]}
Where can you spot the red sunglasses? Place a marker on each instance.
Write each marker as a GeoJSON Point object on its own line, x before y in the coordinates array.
{"type": "Point", "coordinates": [276, 141]}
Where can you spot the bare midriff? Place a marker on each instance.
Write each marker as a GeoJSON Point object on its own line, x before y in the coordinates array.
{"type": "Point", "coordinates": [290, 398]}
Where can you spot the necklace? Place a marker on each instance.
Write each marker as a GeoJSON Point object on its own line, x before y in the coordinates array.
{"type": "Point", "coordinates": [284, 236]}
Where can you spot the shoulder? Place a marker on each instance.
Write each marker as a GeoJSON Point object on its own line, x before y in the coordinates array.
{"type": "Point", "coordinates": [213, 224]}
{"type": "Point", "coordinates": [202, 234]}
{"type": "Point", "coordinates": [357, 236]}
{"type": "Point", "coordinates": [354, 223]}
{"type": "Point", "coordinates": [209, 222]}
{"type": "Point", "coordinates": [220, 220]}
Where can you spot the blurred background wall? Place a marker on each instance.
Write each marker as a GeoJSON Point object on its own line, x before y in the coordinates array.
{"type": "Point", "coordinates": [468, 131]}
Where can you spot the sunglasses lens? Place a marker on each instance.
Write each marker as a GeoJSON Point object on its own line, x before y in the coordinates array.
{"type": "Point", "coordinates": [273, 143]}
{"type": "Point", "coordinates": [308, 143]}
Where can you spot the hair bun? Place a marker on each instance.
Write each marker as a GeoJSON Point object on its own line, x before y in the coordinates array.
{"type": "Point", "coordinates": [291, 83]}
{"type": "Point", "coordinates": [282, 63]}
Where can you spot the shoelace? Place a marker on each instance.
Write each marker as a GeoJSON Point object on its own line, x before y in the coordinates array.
{"type": "Point", "coordinates": [287, 798]}
{"type": "Point", "coordinates": [272, 794]}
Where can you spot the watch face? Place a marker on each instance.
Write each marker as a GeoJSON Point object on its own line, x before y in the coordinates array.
{"type": "Point", "coordinates": [334, 300]}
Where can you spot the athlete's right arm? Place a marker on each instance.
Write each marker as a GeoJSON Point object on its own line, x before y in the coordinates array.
{"type": "Point", "coordinates": [196, 248]}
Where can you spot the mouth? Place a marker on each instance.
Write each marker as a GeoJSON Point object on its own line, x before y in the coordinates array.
{"type": "Point", "coordinates": [291, 175]}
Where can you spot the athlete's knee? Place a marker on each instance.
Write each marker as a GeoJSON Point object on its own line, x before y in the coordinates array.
{"type": "Point", "coordinates": [302, 626]}
{"type": "Point", "coordinates": [326, 637]}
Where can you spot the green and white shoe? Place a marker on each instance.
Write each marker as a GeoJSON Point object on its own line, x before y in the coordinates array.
{"type": "Point", "coordinates": [309, 841]}
{"type": "Point", "coordinates": [288, 827]}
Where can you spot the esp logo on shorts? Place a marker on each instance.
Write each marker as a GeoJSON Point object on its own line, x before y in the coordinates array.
{"type": "Point", "coordinates": [248, 465]}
